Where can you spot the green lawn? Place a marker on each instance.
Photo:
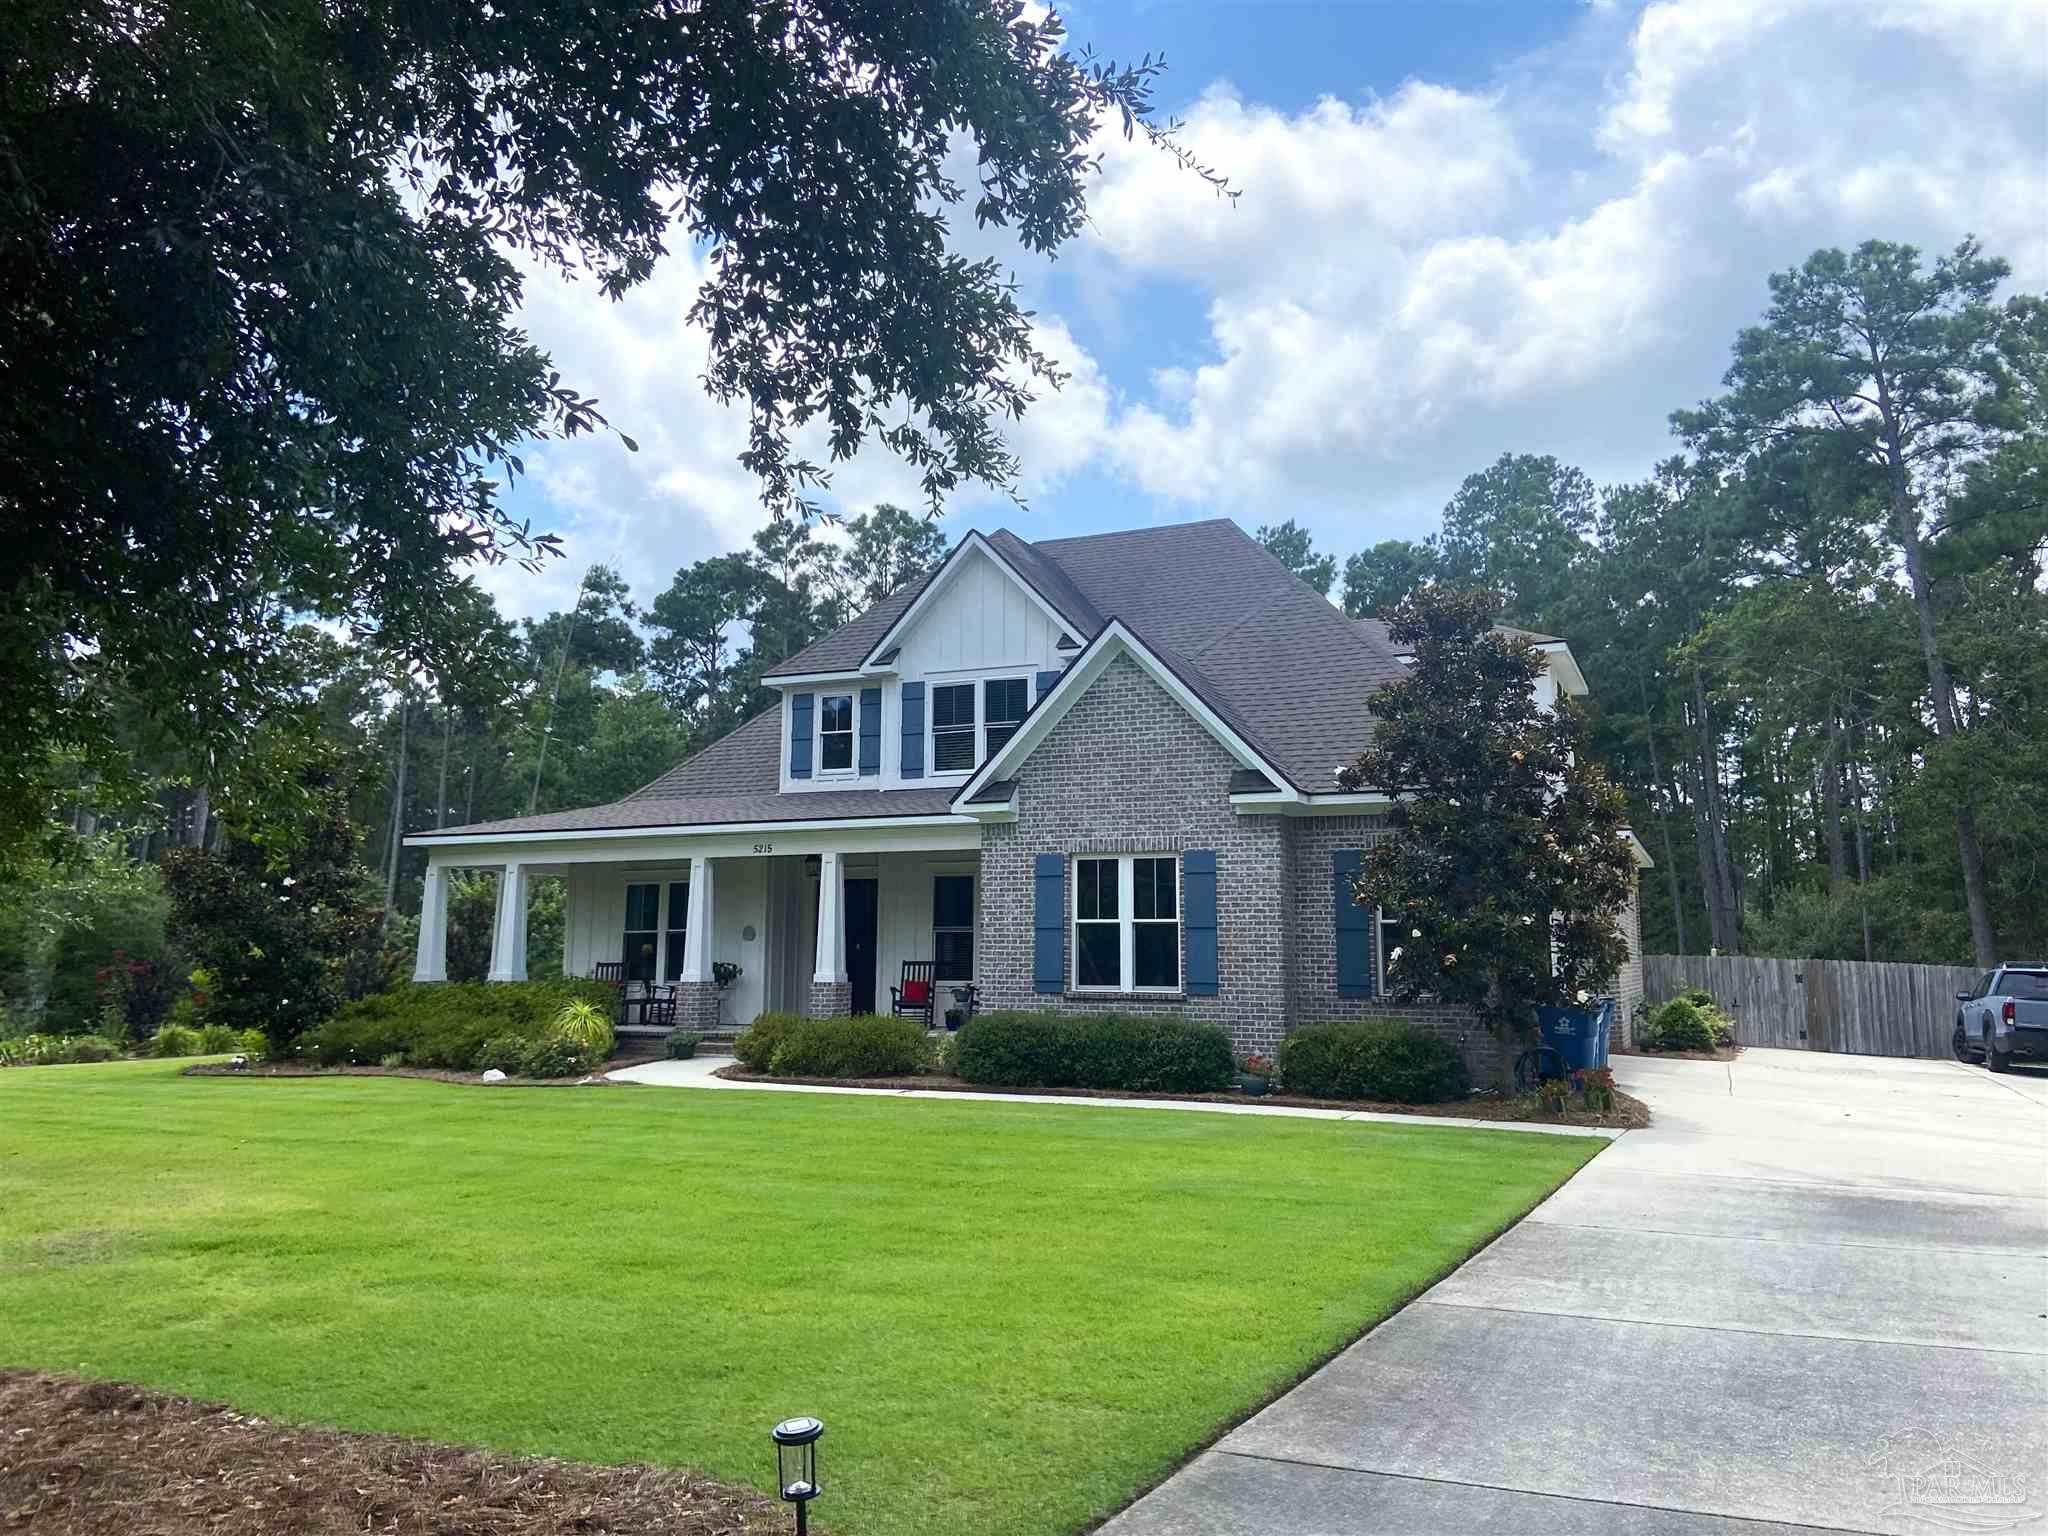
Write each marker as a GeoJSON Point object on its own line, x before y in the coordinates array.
{"type": "Point", "coordinates": [1011, 1317]}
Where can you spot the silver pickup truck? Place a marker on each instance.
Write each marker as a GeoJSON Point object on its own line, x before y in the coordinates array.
{"type": "Point", "coordinates": [2005, 1018]}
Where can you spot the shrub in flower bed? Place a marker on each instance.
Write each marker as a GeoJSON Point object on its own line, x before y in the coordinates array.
{"type": "Point", "coordinates": [1371, 1059]}
{"type": "Point", "coordinates": [1680, 1025]}
{"type": "Point", "coordinates": [1162, 1053]}
{"type": "Point", "coordinates": [863, 1045]}
{"type": "Point", "coordinates": [445, 1024]}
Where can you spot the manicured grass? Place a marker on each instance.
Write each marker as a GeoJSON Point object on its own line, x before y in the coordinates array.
{"type": "Point", "coordinates": [1011, 1317]}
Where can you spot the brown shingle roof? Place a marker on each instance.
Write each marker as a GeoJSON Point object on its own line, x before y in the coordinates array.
{"type": "Point", "coordinates": [1275, 659]}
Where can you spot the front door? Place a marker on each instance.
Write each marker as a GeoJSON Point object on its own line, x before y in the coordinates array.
{"type": "Point", "coordinates": [860, 943]}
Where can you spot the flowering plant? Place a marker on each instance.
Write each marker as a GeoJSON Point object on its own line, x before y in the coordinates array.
{"type": "Point", "coordinates": [1255, 1066]}
{"type": "Point", "coordinates": [1506, 861]}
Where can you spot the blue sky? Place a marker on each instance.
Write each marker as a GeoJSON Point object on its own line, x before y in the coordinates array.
{"type": "Point", "coordinates": [1465, 229]}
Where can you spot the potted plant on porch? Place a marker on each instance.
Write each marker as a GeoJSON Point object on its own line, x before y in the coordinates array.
{"type": "Point", "coordinates": [1255, 1075]}
{"type": "Point", "coordinates": [724, 973]}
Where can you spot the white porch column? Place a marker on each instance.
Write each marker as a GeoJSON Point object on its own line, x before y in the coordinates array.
{"type": "Point", "coordinates": [697, 927]}
{"type": "Point", "coordinates": [432, 963]}
{"type": "Point", "coordinates": [831, 967]}
{"type": "Point", "coordinates": [508, 933]}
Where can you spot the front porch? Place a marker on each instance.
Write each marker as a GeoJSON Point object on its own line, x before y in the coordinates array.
{"type": "Point", "coordinates": [818, 930]}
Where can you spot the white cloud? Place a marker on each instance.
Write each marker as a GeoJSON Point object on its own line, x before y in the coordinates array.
{"type": "Point", "coordinates": [1409, 288]}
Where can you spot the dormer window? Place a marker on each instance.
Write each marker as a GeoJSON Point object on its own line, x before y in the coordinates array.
{"type": "Point", "coordinates": [1004, 701]}
{"type": "Point", "coordinates": [835, 733]}
{"type": "Point", "coordinates": [970, 721]}
{"type": "Point", "coordinates": [953, 728]}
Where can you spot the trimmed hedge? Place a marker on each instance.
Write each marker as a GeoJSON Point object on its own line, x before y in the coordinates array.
{"type": "Point", "coordinates": [755, 1045]}
{"type": "Point", "coordinates": [1141, 1053]}
{"type": "Point", "coordinates": [445, 1023]}
{"type": "Point", "coordinates": [866, 1045]}
{"type": "Point", "coordinates": [1371, 1059]}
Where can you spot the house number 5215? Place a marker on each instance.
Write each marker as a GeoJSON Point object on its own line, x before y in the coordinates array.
{"type": "Point", "coordinates": [764, 847]}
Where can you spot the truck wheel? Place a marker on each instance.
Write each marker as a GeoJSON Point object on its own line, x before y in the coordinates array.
{"type": "Point", "coordinates": [1960, 1044]}
{"type": "Point", "coordinates": [1994, 1058]}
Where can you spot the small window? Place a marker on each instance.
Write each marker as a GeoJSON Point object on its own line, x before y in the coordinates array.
{"type": "Point", "coordinates": [1388, 931]}
{"type": "Point", "coordinates": [1004, 700]}
{"type": "Point", "coordinates": [953, 728]}
{"type": "Point", "coordinates": [1155, 924]}
{"type": "Point", "coordinates": [953, 927]}
{"type": "Point", "coordinates": [643, 930]}
{"type": "Point", "coordinates": [676, 937]}
{"type": "Point", "coordinates": [835, 733]}
{"type": "Point", "coordinates": [1098, 935]}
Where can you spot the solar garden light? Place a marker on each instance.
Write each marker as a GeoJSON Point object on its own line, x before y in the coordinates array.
{"type": "Point", "coordinates": [796, 1463]}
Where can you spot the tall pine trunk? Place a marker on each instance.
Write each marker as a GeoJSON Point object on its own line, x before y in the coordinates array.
{"type": "Point", "coordinates": [1947, 725]}
{"type": "Point", "coordinates": [1710, 824]}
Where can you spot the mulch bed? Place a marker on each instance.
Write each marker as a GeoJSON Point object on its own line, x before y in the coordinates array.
{"type": "Point", "coordinates": [1629, 1113]}
{"type": "Point", "coordinates": [1719, 1053]}
{"type": "Point", "coordinates": [103, 1459]}
{"type": "Point", "coordinates": [432, 1074]}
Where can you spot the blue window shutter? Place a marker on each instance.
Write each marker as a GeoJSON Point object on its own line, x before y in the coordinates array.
{"type": "Point", "coordinates": [1353, 924]}
{"type": "Point", "coordinates": [1198, 915]}
{"type": "Point", "coordinates": [870, 732]}
{"type": "Point", "coordinates": [1049, 924]}
{"type": "Point", "coordinates": [913, 730]}
{"type": "Point", "coordinates": [800, 736]}
{"type": "Point", "coordinates": [1046, 680]}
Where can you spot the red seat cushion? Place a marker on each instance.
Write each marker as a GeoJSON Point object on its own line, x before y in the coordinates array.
{"type": "Point", "coordinates": [917, 992]}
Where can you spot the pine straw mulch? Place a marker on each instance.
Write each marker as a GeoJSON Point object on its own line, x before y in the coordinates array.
{"type": "Point", "coordinates": [103, 1459]}
{"type": "Point", "coordinates": [1629, 1112]}
{"type": "Point", "coordinates": [431, 1074]}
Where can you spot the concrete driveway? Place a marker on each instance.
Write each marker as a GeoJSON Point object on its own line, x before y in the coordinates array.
{"type": "Point", "coordinates": [1812, 1296]}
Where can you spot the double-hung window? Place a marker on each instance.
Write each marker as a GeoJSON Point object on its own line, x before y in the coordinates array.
{"type": "Point", "coordinates": [1127, 924]}
{"type": "Point", "coordinates": [970, 721]}
{"type": "Point", "coordinates": [643, 930]}
{"type": "Point", "coordinates": [953, 927]}
{"type": "Point", "coordinates": [953, 728]}
{"type": "Point", "coordinates": [835, 733]}
{"type": "Point", "coordinates": [675, 937]}
{"type": "Point", "coordinates": [1004, 701]}
{"type": "Point", "coordinates": [1387, 931]}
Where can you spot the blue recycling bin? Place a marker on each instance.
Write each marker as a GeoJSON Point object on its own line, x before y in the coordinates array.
{"type": "Point", "coordinates": [1579, 1035]}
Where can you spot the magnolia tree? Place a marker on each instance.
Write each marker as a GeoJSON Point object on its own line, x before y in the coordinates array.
{"type": "Point", "coordinates": [1508, 865]}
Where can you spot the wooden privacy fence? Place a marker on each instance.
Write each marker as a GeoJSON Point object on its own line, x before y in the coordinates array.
{"type": "Point", "coordinates": [1822, 1005]}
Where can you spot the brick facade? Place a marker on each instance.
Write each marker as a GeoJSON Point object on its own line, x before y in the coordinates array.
{"type": "Point", "coordinates": [830, 1000]}
{"type": "Point", "coordinates": [1129, 771]}
{"type": "Point", "coordinates": [1313, 995]}
{"type": "Point", "coordinates": [697, 1006]}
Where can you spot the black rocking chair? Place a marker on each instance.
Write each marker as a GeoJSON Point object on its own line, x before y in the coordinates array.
{"type": "Point", "coordinates": [913, 998]}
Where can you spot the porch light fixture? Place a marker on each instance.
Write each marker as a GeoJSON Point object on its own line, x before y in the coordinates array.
{"type": "Point", "coordinates": [796, 1464]}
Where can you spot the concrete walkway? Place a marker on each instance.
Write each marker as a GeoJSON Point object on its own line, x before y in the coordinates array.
{"type": "Point", "coordinates": [699, 1072]}
{"type": "Point", "coordinates": [1810, 1297]}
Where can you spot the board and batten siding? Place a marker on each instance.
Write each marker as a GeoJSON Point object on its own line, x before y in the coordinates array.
{"type": "Point", "coordinates": [595, 922]}
{"type": "Point", "coordinates": [981, 620]}
{"type": "Point", "coordinates": [1850, 1006]}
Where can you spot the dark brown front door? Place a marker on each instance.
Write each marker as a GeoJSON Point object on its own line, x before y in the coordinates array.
{"type": "Point", "coordinates": [860, 943]}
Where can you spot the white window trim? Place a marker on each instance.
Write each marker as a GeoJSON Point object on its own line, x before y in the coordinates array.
{"type": "Point", "coordinates": [1127, 922]}
{"type": "Point", "coordinates": [978, 682]}
{"type": "Point", "coordinates": [661, 882]}
{"type": "Point", "coordinates": [852, 768]}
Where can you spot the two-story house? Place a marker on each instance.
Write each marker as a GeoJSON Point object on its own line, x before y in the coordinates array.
{"type": "Point", "coordinates": [1087, 773]}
